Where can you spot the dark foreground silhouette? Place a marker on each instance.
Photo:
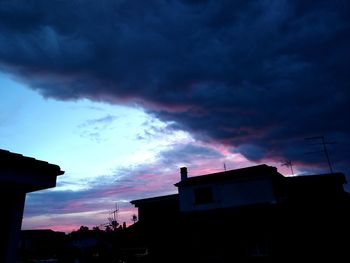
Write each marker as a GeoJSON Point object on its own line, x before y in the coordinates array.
{"type": "Point", "coordinates": [253, 214]}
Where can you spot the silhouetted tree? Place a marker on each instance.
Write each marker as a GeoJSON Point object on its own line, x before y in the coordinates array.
{"type": "Point", "coordinates": [134, 218]}
{"type": "Point", "coordinates": [83, 228]}
{"type": "Point", "coordinates": [96, 228]}
{"type": "Point", "coordinates": [108, 229]}
{"type": "Point", "coordinates": [113, 223]}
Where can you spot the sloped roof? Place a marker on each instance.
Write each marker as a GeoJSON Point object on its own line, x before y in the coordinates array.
{"type": "Point", "coordinates": [262, 170]}
{"type": "Point", "coordinates": [26, 174]}
{"type": "Point", "coordinates": [18, 162]}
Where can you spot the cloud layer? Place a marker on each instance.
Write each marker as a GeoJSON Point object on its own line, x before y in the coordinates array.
{"type": "Point", "coordinates": [259, 76]}
{"type": "Point", "coordinates": [92, 205]}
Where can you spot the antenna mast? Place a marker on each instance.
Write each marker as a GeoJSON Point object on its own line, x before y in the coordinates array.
{"type": "Point", "coordinates": [113, 222]}
{"type": "Point", "coordinates": [325, 150]}
{"type": "Point", "coordinates": [288, 163]}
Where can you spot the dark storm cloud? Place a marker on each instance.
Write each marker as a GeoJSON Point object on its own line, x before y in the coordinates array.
{"type": "Point", "coordinates": [257, 75]}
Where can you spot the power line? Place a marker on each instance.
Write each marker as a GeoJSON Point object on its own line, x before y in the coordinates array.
{"type": "Point", "coordinates": [325, 150]}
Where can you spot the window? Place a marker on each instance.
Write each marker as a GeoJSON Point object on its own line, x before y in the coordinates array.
{"type": "Point", "coordinates": [203, 195]}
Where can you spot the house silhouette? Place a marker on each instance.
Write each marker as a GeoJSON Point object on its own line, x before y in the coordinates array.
{"type": "Point", "coordinates": [252, 214]}
{"type": "Point", "coordinates": [19, 175]}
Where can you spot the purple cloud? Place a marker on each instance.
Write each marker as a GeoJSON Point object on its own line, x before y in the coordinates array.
{"type": "Point", "coordinates": [125, 184]}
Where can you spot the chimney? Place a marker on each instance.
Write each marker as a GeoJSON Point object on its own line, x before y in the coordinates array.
{"type": "Point", "coordinates": [183, 172]}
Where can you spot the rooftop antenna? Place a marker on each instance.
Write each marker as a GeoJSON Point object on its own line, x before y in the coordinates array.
{"type": "Point", "coordinates": [324, 150]}
{"type": "Point", "coordinates": [113, 220]}
{"type": "Point", "coordinates": [289, 164]}
{"type": "Point", "coordinates": [224, 166]}
{"type": "Point", "coordinates": [115, 211]}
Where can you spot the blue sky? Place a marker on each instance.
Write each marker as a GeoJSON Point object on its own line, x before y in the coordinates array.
{"type": "Point", "coordinates": [121, 94]}
{"type": "Point", "coordinates": [94, 143]}
{"type": "Point", "coordinates": [89, 140]}
{"type": "Point", "coordinates": [73, 134]}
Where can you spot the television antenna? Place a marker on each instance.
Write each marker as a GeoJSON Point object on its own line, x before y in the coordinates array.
{"type": "Point", "coordinates": [324, 144]}
{"type": "Point", "coordinates": [289, 164]}
{"type": "Point", "coordinates": [112, 219]}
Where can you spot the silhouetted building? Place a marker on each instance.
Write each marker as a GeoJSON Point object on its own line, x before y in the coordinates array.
{"type": "Point", "coordinates": [163, 207]}
{"type": "Point", "coordinates": [42, 244]}
{"type": "Point", "coordinates": [18, 176]}
{"type": "Point", "coordinates": [247, 186]}
{"type": "Point", "coordinates": [253, 214]}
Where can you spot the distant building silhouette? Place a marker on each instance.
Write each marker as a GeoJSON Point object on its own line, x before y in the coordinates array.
{"type": "Point", "coordinates": [41, 244]}
{"type": "Point", "coordinates": [19, 175]}
{"type": "Point", "coordinates": [253, 214]}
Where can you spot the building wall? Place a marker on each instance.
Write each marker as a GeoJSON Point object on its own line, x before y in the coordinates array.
{"type": "Point", "coordinates": [158, 211]}
{"type": "Point", "coordinates": [226, 194]}
{"type": "Point", "coordinates": [12, 205]}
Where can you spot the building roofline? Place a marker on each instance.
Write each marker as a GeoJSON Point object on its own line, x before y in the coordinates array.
{"type": "Point", "coordinates": [251, 171]}
{"type": "Point", "coordinates": [332, 176]}
{"type": "Point", "coordinates": [154, 199]}
{"type": "Point", "coordinates": [18, 162]}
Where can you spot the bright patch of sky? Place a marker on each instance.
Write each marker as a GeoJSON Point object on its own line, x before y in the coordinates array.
{"type": "Point", "coordinates": [87, 139]}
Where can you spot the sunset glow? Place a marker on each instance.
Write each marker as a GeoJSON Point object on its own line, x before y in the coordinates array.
{"type": "Point", "coordinates": [122, 94]}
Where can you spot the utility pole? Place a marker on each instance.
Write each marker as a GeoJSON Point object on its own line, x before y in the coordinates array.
{"type": "Point", "coordinates": [325, 150]}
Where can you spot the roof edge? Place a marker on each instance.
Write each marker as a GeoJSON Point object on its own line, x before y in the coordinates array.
{"type": "Point", "coordinates": [155, 198]}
